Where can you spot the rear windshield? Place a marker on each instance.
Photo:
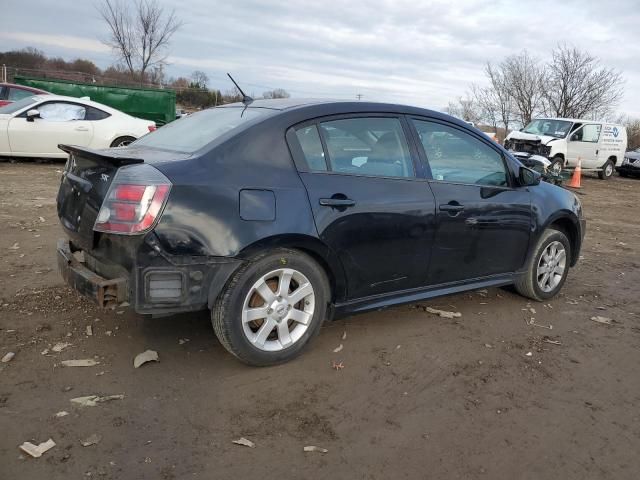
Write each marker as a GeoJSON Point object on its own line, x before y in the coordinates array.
{"type": "Point", "coordinates": [15, 106]}
{"type": "Point", "coordinates": [191, 133]}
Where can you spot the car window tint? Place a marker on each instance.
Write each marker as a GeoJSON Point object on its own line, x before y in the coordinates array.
{"type": "Point", "coordinates": [61, 112]}
{"type": "Point", "coordinates": [18, 94]}
{"type": "Point", "coordinates": [312, 147]}
{"type": "Point", "coordinates": [368, 146]}
{"type": "Point", "coordinates": [95, 114]}
{"type": "Point", "coordinates": [456, 156]}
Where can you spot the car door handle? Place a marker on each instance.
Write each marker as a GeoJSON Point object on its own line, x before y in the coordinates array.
{"type": "Point", "coordinates": [82, 129]}
{"type": "Point", "coordinates": [337, 202]}
{"type": "Point", "coordinates": [451, 207]}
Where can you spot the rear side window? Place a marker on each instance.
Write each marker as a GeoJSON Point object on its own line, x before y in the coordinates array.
{"type": "Point", "coordinates": [16, 94]}
{"type": "Point", "coordinates": [368, 146]}
{"type": "Point", "coordinates": [96, 114]}
{"type": "Point", "coordinates": [456, 156]}
{"type": "Point", "coordinates": [191, 133]}
{"type": "Point", "coordinates": [312, 147]}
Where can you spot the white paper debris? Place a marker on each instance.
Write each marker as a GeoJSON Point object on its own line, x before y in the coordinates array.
{"type": "Point", "coordinates": [60, 346]}
{"type": "Point", "coordinates": [245, 442]}
{"type": "Point", "coordinates": [61, 414]}
{"type": "Point", "coordinates": [93, 400]}
{"type": "Point", "coordinates": [344, 335]}
{"type": "Point", "coordinates": [36, 451]}
{"type": "Point", "coordinates": [87, 362]}
{"type": "Point", "coordinates": [603, 320]}
{"type": "Point", "coordinates": [529, 354]}
{"type": "Point", "coordinates": [91, 440]}
{"type": "Point", "coordinates": [313, 448]}
{"type": "Point", "coordinates": [338, 348]}
{"type": "Point", "coordinates": [144, 357]}
{"type": "Point", "coordinates": [8, 357]}
{"type": "Point", "coordinates": [443, 313]}
{"type": "Point", "coordinates": [89, 331]}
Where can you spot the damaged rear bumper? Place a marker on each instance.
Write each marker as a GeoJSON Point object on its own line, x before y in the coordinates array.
{"type": "Point", "coordinates": [105, 292]}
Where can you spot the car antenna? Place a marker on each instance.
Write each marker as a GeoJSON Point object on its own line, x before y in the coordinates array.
{"type": "Point", "coordinates": [246, 99]}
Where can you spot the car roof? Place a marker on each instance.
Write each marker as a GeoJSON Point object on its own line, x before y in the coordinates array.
{"type": "Point", "coordinates": [576, 120]}
{"type": "Point", "coordinates": [23, 87]}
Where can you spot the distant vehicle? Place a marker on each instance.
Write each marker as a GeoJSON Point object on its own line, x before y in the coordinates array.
{"type": "Point", "coordinates": [10, 93]}
{"type": "Point", "coordinates": [35, 125]}
{"type": "Point", "coordinates": [630, 165]}
{"type": "Point", "coordinates": [598, 145]}
{"type": "Point", "coordinates": [279, 214]}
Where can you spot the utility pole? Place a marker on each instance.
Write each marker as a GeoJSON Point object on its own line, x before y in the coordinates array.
{"type": "Point", "coordinates": [359, 96]}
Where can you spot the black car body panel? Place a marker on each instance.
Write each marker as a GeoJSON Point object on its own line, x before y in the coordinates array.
{"type": "Point", "coordinates": [631, 164]}
{"type": "Point", "coordinates": [400, 239]}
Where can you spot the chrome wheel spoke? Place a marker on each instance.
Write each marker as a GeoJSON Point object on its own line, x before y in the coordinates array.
{"type": "Point", "coordinates": [283, 334]}
{"type": "Point", "coordinates": [265, 292]}
{"type": "Point", "coordinates": [253, 314]}
{"type": "Point", "coordinates": [285, 283]}
{"type": "Point", "coordinates": [263, 332]}
{"type": "Point", "coordinates": [299, 293]}
{"type": "Point", "coordinates": [551, 266]}
{"type": "Point", "coordinates": [299, 316]}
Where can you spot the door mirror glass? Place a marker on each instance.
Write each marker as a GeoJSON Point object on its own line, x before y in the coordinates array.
{"type": "Point", "coordinates": [527, 177]}
{"type": "Point", "coordinates": [32, 115]}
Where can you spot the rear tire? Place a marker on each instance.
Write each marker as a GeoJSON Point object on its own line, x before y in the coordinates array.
{"type": "Point", "coordinates": [122, 142]}
{"type": "Point", "coordinates": [271, 307]}
{"type": "Point", "coordinates": [607, 171]}
{"type": "Point", "coordinates": [533, 284]}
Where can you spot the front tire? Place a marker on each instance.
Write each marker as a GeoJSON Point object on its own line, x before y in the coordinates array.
{"type": "Point", "coordinates": [557, 164]}
{"type": "Point", "coordinates": [547, 268]}
{"type": "Point", "coordinates": [272, 307]}
{"type": "Point", "coordinates": [607, 171]}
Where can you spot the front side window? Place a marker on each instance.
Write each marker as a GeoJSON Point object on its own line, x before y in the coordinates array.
{"type": "Point", "coordinates": [19, 105]}
{"type": "Point", "coordinates": [368, 146]}
{"type": "Point", "coordinates": [458, 157]}
{"type": "Point", "coordinates": [61, 112]}
{"type": "Point", "coordinates": [588, 133]}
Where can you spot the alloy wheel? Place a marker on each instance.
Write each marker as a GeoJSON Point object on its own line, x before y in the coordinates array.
{"type": "Point", "coordinates": [278, 309]}
{"type": "Point", "coordinates": [551, 266]}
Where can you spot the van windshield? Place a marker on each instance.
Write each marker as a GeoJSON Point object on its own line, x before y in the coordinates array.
{"type": "Point", "coordinates": [552, 128]}
{"type": "Point", "coordinates": [191, 133]}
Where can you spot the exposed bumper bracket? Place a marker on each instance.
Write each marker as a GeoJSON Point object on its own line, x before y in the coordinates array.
{"type": "Point", "coordinates": [107, 293]}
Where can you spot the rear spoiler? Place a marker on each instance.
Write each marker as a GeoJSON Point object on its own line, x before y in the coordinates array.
{"type": "Point", "coordinates": [118, 158]}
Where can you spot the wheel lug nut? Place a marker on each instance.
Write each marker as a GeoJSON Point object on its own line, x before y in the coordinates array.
{"type": "Point", "coordinates": [270, 311]}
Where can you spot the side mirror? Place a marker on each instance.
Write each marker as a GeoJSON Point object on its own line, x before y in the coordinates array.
{"type": "Point", "coordinates": [527, 177]}
{"type": "Point", "coordinates": [32, 115]}
{"type": "Point", "coordinates": [573, 138]}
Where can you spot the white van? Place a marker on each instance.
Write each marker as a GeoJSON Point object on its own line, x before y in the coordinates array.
{"type": "Point", "coordinates": [600, 145]}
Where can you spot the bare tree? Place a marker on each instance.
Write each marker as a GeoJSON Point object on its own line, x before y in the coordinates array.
{"type": "Point", "coordinates": [276, 93]}
{"type": "Point", "coordinates": [200, 79]}
{"type": "Point", "coordinates": [465, 108]}
{"type": "Point", "coordinates": [139, 32]}
{"type": "Point", "coordinates": [487, 103]}
{"type": "Point", "coordinates": [577, 86]}
{"type": "Point", "coordinates": [503, 102]}
{"type": "Point", "coordinates": [523, 76]}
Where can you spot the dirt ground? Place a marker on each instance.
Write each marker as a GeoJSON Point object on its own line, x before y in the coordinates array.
{"type": "Point", "coordinates": [486, 395]}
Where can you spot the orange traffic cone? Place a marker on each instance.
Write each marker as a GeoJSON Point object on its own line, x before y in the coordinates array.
{"type": "Point", "coordinates": [577, 176]}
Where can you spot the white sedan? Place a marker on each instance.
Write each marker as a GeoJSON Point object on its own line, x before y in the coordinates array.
{"type": "Point", "coordinates": [35, 125]}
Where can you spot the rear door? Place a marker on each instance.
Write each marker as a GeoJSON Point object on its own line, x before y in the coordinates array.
{"type": "Point", "coordinates": [369, 204]}
{"type": "Point", "coordinates": [483, 221]}
{"type": "Point", "coordinates": [584, 145]}
{"type": "Point", "coordinates": [59, 122]}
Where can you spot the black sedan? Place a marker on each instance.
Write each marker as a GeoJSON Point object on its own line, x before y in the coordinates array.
{"type": "Point", "coordinates": [278, 215]}
{"type": "Point", "coordinates": [630, 166]}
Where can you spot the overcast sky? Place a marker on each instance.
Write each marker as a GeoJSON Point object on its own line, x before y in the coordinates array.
{"type": "Point", "coordinates": [418, 52]}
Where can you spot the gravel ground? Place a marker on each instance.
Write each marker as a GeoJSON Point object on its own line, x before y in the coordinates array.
{"type": "Point", "coordinates": [487, 395]}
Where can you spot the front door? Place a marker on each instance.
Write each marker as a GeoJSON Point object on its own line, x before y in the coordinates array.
{"type": "Point", "coordinates": [583, 145]}
{"type": "Point", "coordinates": [483, 222]}
{"type": "Point", "coordinates": [59, 122]}
{"type": "Point", "coordinates": [369, 206]}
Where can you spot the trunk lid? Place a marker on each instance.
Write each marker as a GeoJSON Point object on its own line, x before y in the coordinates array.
{"type": "Point", "coordinates": [85, 182]}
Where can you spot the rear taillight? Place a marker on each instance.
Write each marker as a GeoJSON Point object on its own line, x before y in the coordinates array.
{"type": "Point", "coordinates": [134, 201]}
{"type": "Point", "coordinates": [152, 128]}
